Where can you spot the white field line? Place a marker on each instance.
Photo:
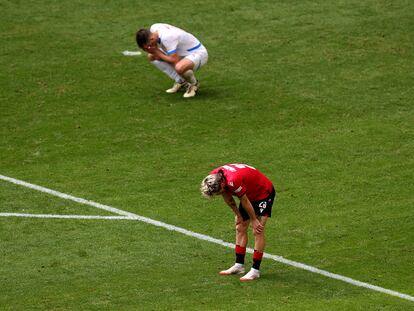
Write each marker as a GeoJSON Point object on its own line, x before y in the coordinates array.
{"type": "Point", "coordinates": [61, 216]}
{"type": "Point", "coordinates": [131, 216]}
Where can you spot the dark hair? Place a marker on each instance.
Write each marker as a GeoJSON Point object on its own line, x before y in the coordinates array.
{"type": "Point", "coordinates": [142, 37]}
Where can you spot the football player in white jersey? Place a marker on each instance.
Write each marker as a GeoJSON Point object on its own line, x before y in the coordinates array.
{"type": "Point", "coordinates": [175, 52]}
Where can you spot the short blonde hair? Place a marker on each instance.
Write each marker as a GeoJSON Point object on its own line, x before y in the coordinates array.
{"type": "Point", "coordinates": [211, 185]}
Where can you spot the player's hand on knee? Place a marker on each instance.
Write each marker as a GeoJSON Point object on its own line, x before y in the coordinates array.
{"type": "Point", "coordinates": [257, 227]}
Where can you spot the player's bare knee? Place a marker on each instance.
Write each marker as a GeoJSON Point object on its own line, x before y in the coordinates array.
{"type": "Point", "coordinates": [180, 68]}
{"type": "Point", "coordinates": [241, 228]}
{"type": "Point", "coordinates": [258, 234]}
{"type": "Point", "coordinates": [150, 57]}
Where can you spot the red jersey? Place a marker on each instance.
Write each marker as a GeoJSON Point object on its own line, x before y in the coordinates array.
{"type": "Point", "coordinates": [243, 179]}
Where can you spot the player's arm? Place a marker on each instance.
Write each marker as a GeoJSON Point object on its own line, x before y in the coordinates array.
{"type": "Point", "coordinates": [228, 198]}
{"type": "Point", "coordinates": [257, 226]}
{"type": "Point", "coordinates": [171, 58]}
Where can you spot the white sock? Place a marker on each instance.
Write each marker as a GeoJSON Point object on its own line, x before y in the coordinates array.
{"type": "Point", "coordinates": [189, 77]}
{"type": "Point", "coordinates": [168, 70]}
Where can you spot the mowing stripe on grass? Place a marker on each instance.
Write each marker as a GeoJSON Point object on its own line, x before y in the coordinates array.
{"type": "Point", "coordinates": [131, 216]}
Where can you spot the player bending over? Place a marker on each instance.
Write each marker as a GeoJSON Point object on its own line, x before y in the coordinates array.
{"type": "Point", "coordinates": [256, 194]}
{"type": "Point", "coordinates": [175, 52]}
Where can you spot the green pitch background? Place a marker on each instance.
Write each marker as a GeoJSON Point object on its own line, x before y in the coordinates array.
{"type": "Point", "coordinates": [318, 95]}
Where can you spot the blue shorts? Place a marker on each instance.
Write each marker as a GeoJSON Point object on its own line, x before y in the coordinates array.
{"type": "Point", "coordinates": [261, 208]}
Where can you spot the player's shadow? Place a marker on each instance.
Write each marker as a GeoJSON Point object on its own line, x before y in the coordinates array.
{"type": "Point", "coordinates": [205, 96]}
{"type": "Point", "coordinates": [210, 93]}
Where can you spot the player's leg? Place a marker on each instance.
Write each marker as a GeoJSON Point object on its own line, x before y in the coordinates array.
{"type": "Point", "coordinates": [241, 233]}
{"type": "Point", "coordinates": [186, 68]}
{"type": "Point", "coordinates": [241, 243]}
{"type": "Point", "coordinates": [259, 245]}
{"type": "Point", "coordinates": [169, 70]}
{"type": "Point", "coordinates": [259, 238]}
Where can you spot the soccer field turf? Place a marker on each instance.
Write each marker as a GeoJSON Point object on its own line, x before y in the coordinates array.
{"type": "Point", "coordinates": [315, 94]}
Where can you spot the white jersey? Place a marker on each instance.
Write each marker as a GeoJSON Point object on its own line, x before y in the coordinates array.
{"type": "Point", "coordinates": [175, 40]}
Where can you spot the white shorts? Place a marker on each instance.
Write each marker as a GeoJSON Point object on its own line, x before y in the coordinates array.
{"type": "Point", "coordinates": [199, 57]}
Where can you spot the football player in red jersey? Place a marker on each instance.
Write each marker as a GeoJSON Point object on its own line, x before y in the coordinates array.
{"type": "Point", "coordinates": [256, 194]}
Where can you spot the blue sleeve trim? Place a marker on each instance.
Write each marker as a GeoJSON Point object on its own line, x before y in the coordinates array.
{"type": "Point", "coordinates": [194, 48]}
{"type": "Point", "coordinates": [171, 52]}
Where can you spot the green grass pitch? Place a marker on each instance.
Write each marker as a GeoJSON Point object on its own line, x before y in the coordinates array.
{"type": "Point", "coordinates": [318, 95]}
